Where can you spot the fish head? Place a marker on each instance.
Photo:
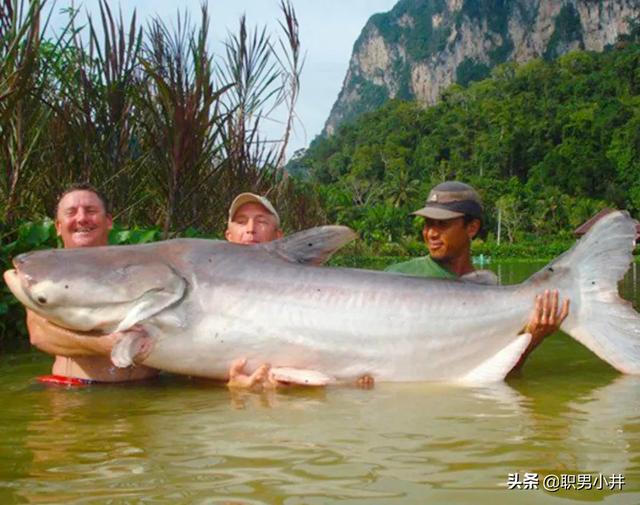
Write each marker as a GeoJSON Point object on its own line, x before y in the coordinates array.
{"type": "Point", "coordinates": [94, 287]}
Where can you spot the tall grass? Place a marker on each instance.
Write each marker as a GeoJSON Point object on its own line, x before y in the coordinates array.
{"type": "Point", "coordinates": [167, 130]}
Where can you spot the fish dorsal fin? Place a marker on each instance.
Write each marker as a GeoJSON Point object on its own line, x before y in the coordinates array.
{"type": "Point", "coordinates": [313, 246]}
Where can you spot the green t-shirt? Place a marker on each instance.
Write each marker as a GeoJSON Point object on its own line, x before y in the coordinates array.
{"type": "Point", "coordinates": [423, 267]}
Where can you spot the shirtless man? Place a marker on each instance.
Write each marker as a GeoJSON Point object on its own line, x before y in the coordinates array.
{"type": "Point", "coordinates": [82, 220]}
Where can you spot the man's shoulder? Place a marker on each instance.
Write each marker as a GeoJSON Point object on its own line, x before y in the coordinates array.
{"type": "Point", "coordinates": [423, 266]}
{"type": "Point", "coordinates": [394, 267]}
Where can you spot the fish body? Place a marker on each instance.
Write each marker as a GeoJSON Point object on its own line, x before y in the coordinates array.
{"type": "Point", "coordinates": [206, 303]}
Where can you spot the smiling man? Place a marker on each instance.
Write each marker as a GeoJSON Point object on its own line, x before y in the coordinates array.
{"type": "Point", "coordinates": [452, 219]}
{"type": "Point", "coordinates": [82, 220]}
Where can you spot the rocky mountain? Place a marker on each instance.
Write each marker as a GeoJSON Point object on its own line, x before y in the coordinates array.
{"type": "Point", "coordinates": [421, 47]}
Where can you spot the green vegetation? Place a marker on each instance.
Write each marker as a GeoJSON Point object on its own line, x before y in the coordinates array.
{"type": "Point", "coordinates": [369, 93]}
{"type": "Point", "coordinates": [170, 134]}
{"type": "Point", "coordinates": [495, 12]}
{"type": "Point", "coordinates": [417, 31]}
{"type": "Point", "coordinates": [567, 29]}
{"type": "Point", "coordinates": [169, 131]}
{"type": "Point", "coordinates": [548, 144]}
{"type": "Point", "coordinates": [419, 37]}
{"type": "Point", "coordinates": [471, 70]}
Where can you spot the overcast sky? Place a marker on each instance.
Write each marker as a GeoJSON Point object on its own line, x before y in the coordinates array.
{"type": "Point", "coordinates": [328, 30]}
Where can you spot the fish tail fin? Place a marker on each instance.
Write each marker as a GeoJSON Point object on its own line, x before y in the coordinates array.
{"type": "Point", "coordinates": [589, 274]}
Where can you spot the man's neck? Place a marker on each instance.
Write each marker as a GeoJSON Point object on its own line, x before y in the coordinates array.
{"type": "Point", "coordinates": [459, 266]}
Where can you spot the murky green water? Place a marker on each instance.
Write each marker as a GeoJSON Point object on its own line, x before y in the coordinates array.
{"type": "Point", "coordinates": [179, 441]}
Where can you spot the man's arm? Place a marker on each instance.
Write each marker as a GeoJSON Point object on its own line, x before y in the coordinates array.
{"type": "Point", "coordinates": [59, 341]}
{"type": "Point", "coordinates": [545, 320]}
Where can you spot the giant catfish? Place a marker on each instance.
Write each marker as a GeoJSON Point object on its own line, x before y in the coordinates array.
{"type": "Point", "coordinates": [206, 303]}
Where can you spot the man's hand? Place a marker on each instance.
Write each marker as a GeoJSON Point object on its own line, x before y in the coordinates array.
{"type": "Point", "coordinates": [239, 379]}
{"type": "Point", "coordinates": [365, 382]}
{"type": "Point", "coordinates": [545, 318]}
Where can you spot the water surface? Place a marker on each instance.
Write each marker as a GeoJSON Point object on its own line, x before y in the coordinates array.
{"type": "Point", "coordinates": [177, 440]}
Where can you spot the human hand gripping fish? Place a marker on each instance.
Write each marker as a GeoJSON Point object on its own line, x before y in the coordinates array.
{"type": "Point", "coordinates": [202, 301]}
{"type": "Point", "coordinates": [266, 377]}
{"type": "Point", "coordinates": [545, 320]}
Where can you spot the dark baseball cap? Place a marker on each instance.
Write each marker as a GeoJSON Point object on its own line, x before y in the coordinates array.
{"type": "Point", "coordinates": [451, 199]}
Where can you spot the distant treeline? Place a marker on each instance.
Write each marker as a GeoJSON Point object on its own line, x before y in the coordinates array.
{"type": "Point", "coordinates": [147, 114]}
{"type": "Point", "coordinates": [548, 144]}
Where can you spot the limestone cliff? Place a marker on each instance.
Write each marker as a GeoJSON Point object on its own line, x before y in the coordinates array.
{"type": "Point", "coordinates": [422, 46]}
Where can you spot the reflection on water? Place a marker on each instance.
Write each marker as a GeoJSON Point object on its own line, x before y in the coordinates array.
{"type": "Point", "coordinates": [182, 441]}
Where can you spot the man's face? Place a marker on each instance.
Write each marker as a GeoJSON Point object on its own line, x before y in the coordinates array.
{"type": "Point", "coordinates": [81, 220]}
{"type": "Point", "coordinates": [448, 239]}
{"type": "Point", "coordinates": [252, 224]}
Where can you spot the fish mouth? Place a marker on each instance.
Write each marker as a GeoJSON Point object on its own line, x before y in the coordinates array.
{"type": "Point", "coordinates": [19, 287]}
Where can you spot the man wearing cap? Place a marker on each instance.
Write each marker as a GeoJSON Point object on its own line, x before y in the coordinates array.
{"type": "Point", "coordinates": [252, 220]}
{"type": "Point", "coordinates": [453, 218]}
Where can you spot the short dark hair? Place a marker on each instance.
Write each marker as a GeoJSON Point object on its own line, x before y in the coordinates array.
{"type": "Point", "coordinates": [83, 186]}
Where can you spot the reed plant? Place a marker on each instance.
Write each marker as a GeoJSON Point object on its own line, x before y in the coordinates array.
{"type": "Point", "coordinates": [169, 131]}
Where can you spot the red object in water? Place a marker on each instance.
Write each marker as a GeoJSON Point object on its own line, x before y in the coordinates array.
{"type": "Point", "coordinates": [61, 380]}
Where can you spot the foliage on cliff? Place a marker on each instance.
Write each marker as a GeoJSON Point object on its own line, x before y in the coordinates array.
{"type": "Point", "coordinates": [420, 47]}
{"type": "Point", "coordinates": [547, 144]}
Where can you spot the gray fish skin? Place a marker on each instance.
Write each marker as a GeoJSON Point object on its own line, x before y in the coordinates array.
{"type": "Point", "coordinates": [207, 303]}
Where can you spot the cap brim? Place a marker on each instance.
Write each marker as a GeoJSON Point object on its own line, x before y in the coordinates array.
{"type": "Point", "coordinates": [241, 199]}
{"type": "Point", "coordinates": [437, 213]}
{"type": "Point", "coordinates": [244, 198]}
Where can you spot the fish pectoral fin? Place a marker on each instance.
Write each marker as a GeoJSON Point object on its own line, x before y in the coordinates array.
{"type": "Point", "coordinates": [154, 301]}
{"type": "Point", "coordinates": [500, 364]}
{"type": "Point", "coordinates": [311, 247]}
{"type": "Point", "coordinates": [127, 348]}
{"type": "Point", "coordinates": [300, 376]}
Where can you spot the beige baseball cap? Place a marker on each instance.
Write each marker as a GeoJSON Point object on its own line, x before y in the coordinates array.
{"type": "Point", "coordinates": [451, 199]}
{"type": "Point", "coordinates": [243, 198]}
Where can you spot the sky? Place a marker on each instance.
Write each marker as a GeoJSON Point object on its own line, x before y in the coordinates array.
{"type": "Point", "coordinates": [328, 30]}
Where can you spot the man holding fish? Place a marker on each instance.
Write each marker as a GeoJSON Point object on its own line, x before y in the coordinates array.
{"type": "Point", "coordinates": [453, 217]}
{"type": "Point", "coordinates": [83, 219]}
{"type": "Point", "coordinates": [452, 214]}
